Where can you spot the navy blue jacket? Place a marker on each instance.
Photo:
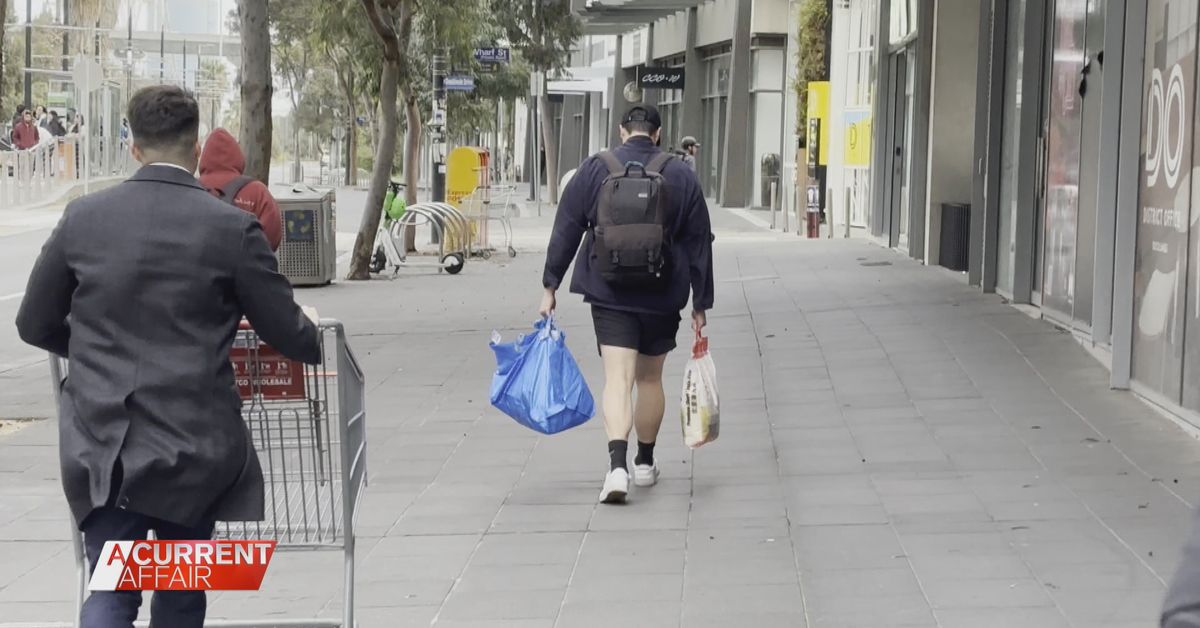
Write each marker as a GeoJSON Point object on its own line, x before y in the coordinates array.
{"type": "Point", "coordinates": [688, 223]}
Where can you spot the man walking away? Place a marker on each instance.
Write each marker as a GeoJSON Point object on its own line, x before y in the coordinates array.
{"type": "Point", "coordinates": [24, 133]}
{"type": "Point", "coordinates": [649, 243]}
{"type": "Point", "coordinates": [222, 171]}
{"type": "Point", "coordinates": [690, 148]}
{"type": "Point", "coordinates": [142, 288]}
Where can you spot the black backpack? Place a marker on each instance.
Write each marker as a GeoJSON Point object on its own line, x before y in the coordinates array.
{"type": "Point", "coordinates": [229, 191]}
{"type": "Point", "coordinates": [630, 240]}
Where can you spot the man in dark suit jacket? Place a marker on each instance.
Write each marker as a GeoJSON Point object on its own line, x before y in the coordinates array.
{"type": "Point", "coordinates": [142, 287]}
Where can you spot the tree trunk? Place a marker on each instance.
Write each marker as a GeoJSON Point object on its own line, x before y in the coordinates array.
{"type": "Point", "coordinates": [385, 157]}
{"type": "Point", "coordinates": [256, 90]}
{"type": "Point", "coordinates": [550, 144]}
{"type": "Point", "coordinates": [352, 153]}
{"type": "Point", "coordinates": [351, 135]}
{"type": "Point", "coordinates": [511, 119]}
{"type": "Point", "coordinates": [412, 163]}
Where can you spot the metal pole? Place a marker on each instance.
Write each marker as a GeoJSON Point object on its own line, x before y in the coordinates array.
{"type": "Point", "coordinates": [438, 136]}
{"type": "Point", "coordinates": [129, 57]}
{"type": "Point", "coordinates": [66, 43]}
{"type": "Point", "coordinates": [440, 63]}
{"type": "Point", "coordinates": [162, 54]}
{"type": "Point", "coordinates": [541, 85]}
{"type": "Point", "coordinates": [28, 53]}
{"type": "Point", "coordinates": [774, 200]}
{"type": "Point", "coordinates": [537, 151]}
{"type": "Point", "coordinates": [774, 214]}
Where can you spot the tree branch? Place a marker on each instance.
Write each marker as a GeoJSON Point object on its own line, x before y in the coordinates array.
{"type": "Point", "coordinates": [383, 27]}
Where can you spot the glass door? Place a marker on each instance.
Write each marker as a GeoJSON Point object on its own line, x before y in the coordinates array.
{"type": "Point", "coordinates": [1043, 154]}
{"type": "Point", "coordinates": [901, 132]}
{"type": "Point", "coordinates": [1063, 142]}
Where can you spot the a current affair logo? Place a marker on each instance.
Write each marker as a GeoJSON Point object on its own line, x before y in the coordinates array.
{"type": "Point", "coordinates": [182, 566]}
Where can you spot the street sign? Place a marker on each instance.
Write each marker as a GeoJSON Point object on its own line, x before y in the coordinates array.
{"type": "Point", "coordinates": [661, 78]}
{"type": "Point", "coordinates": [537, 83]}
{"type": "Point", "coordinates": [86, 73]}
{"type": "Point", "coordinates": [492, 55]}
{"type": "Point", "coordinates": [460, 83]}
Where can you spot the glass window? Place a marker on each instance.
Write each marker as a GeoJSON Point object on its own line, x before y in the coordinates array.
{"type": "Point", "coordinates": [859, 95]}
{"type": "Point", "coordinates": [767, 70]}
{"type": "Point", "coordinates": [903, 20]}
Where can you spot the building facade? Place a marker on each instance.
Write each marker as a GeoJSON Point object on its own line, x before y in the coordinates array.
{"type": "Point", "coordinates": [1062, 131]}
{"type": "Point", "coordinates": [1068, 128]}
{"type": "Point", "coordinates": [732, 55]}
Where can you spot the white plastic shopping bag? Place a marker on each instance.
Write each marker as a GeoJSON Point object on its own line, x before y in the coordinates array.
{"type": "Point", "coordinates": [700, 408]}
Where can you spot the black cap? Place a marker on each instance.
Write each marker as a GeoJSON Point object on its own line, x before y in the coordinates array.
{"type": "Point", "coordinates": [642, 113]}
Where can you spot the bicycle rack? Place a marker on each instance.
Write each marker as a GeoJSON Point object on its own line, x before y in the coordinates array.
{"type": "Point", "coordinates": [453, 235]}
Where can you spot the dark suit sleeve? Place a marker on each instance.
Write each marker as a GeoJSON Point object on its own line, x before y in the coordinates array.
{"type": "Point", "coordinates": [267, 301]}
{"type": "Point", "coordinates": [699, 238]}
{"type": "Point", "coordinates": [42, 318]}
{"type": "Point", "coordinates": [570, 223]}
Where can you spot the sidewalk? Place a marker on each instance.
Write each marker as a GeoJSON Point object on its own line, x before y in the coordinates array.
{"type": "Point", "coordinates": [898, 451]}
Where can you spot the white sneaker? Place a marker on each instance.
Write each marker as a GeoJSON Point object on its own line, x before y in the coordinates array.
{"type": "Point", "coordinates": [616, 487]}
{"type": "Point", "coordinates": [645, 475]}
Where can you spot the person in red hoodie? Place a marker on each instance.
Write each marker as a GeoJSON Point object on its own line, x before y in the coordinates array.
{"type": "Point", "coordinates": [222, 171]}
{"type": "Point", "coordinates": [24, 133]}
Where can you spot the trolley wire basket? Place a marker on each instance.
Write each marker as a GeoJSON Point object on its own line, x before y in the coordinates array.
{"type": "Point", "coordinates": [488, 204]}
{"type": "Point", "coordinates": [308, 426]}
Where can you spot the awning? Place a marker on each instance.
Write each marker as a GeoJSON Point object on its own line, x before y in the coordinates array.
{"type": "Point", "coordinates": [617, 17]}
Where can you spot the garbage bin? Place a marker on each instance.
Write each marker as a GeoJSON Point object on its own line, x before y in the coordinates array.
{"type": "Point", "coordinates": [956, 236]}
{"type": "Point", "coordinates": [308, 253]}
{"type": "Point", "coordinates": [771, 169]}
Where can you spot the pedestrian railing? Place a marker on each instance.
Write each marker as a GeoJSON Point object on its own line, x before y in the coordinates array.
{"type": "Point", "coordinates": [32, 176]}
{"type": "Point", "coordinates": [28, 175]}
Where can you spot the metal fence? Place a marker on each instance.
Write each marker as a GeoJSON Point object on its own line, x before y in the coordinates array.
{"type": "Point", "coordinates": [33, 176]}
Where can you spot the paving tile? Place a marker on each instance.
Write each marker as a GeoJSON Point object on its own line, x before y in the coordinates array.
{"type": "Point", "coordinates": [1042, 617]}
{"type": "Point", "coordinates": [609, 613]}
{"type": "Point", "coordinates": [505, 605]}
{"type": "Point", "coordinates": [970, 592]}
{"type": "Point", "coordinates": [856, 583]}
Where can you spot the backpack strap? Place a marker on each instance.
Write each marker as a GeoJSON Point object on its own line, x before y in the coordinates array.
{"type": "Point", "coordinates": [615, 167]}
{"type": "Point", "coordinates": [230, 190]}
{"type": "Point", "coordinates": [659, 162]}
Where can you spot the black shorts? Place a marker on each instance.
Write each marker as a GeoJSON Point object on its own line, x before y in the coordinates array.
{"type": "Point", "coordinates": [649, 334]}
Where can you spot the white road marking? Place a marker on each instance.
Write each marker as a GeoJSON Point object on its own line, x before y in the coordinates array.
{"type": "Point", "coordinates": [12, 297]}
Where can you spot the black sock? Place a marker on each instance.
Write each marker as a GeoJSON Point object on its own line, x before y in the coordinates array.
{"type": "Point", "coordinates": [645, 454]}
{"type": "Point", "coordinates": [618, 451]}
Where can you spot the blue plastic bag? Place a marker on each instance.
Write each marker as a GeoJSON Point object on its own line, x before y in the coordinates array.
{"type": "Point", "coordinates": [538, 383]}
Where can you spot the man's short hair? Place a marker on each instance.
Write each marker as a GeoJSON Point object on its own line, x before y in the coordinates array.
{"type": "Point", "coordinates": [164, 117]}
{"type": "Point", "coordinates": [641, 118]}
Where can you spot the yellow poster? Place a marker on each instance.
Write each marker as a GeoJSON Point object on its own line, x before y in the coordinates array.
{"type": "Point", "coordinates": [818, 109]}
{"type": "Point", "coordinates": [858, 138]}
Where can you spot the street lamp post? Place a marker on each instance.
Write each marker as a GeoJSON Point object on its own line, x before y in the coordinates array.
{"type": "Point", "coordinates": [28, 53]}
{"type": "Point", "coordinates": [438, 133]}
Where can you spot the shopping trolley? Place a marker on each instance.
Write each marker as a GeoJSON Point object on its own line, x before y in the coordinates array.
{"type": "Point", "coordinates": [308, 424]}
{"type": "Point", "coordinates": [488, 204]}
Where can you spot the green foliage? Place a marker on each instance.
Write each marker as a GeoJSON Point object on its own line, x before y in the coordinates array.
{"type": "Point", "coordinates": [543, 32]}
{"type": "Point", "coordinates": [47, 54]}
{"type": "Point", "coordinates": [810, 55]}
